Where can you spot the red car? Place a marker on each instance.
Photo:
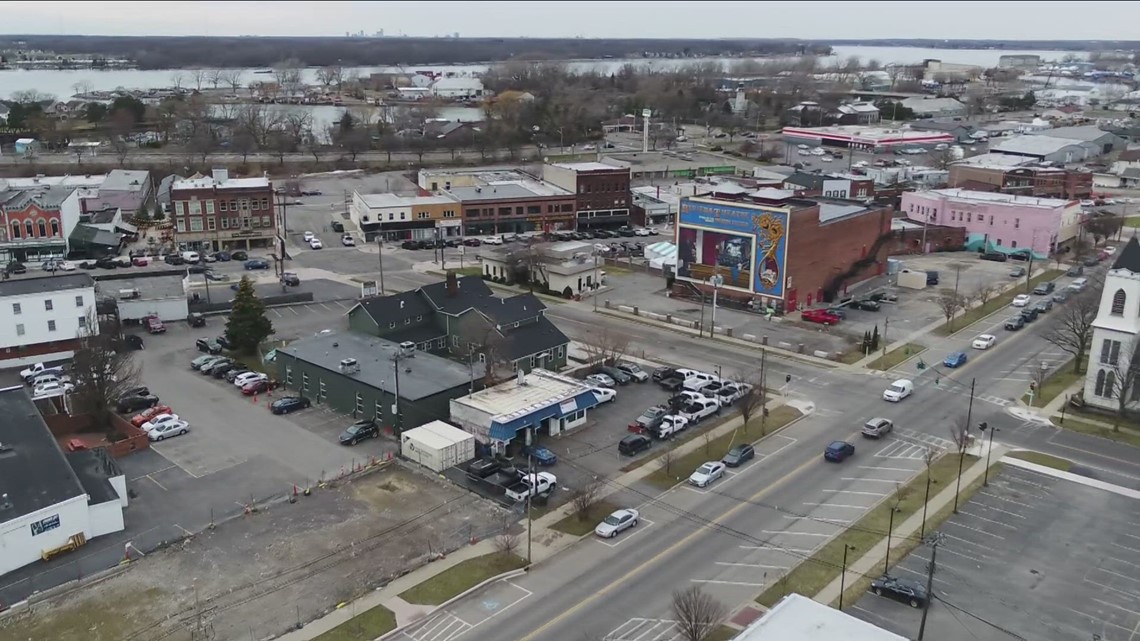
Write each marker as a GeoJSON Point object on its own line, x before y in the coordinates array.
{"type": "Point", "coordinates": [154, 325]}
{"type": "Point", "coordinates": [150, 413]}
{"type": "Point", "coordinates": [821, 316]}
{"type": "Point", "coordinates": [257, 387]}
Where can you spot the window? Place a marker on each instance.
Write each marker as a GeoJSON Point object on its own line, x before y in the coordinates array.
{"type": "Point", "coordinates": [82, 322]}
{"type": "Point", "coordinates": [1118, 300]}
{"type": "Point", "coordinates": [20, 329]}
{"type": "Point", "coordinates": [359, 408]}
{"type": "Point", "coordinates": [185, 208]}
{"type": "Point", "coordinates": [29, 231]}
{"type": "Point", "coordinates": [79, 301]}
{"type": "Point", "coordinates": [15, 230]}
{"type": "Point", "coordinates": [407, 321]}
{"type": "Point", "coordinates": [48, 305]}
{"type": "Point", "coordinates": [211, 223]}
{"type": "Point", "coordinates": [532, 362]}
{"type": "Point", "coordinates": [305, 382]}
{"type": "Point", "coordinates": [1017, 223]}
{"type": "Point", "coordinates": [321, 395]}
{"type": "Point", "coordinates": [265, 204]}
{"type": "Point", "coordinates": [256, 205]}
{"type": "Point", "coordinates": [561, 351]}
{"type": "Point", "coordinates": [51, 326]}
{"type": "Point", "coordinates": [1013, 244]}
{"type": "Point", "coordinates": [195, 208]}
{"type": "Point", "coordinates": [449, 213]}
{"type": "Point", "coordinates": [474, 213]}
{"type": "Point", "coordinates": [419, 318]}
{"type": "Point", "coordinates": [969, 217]}
{"type": "Point", "coordinates": [534, 209]}
{"type": "Point", "coordinates": [209, 207]}
{"type": "Point", "coordinates": [266, 221]}
{"type": "Point", "coordinates": [16, 309]}
{"type": "Point", "coordinates": [288, 375]}
{"type": "Point", "coordinates": [180, 225]}
{"type": "Point", "coordinates": [256, 220]}
{"type": "Point", "coordinates": [196, 223]}
{"type": "Point", "coordinates": [1109, 351]}
{"type": "Point", "coordinates": [223, 205]}
{"type": "Point", "coordinates": [225, 222]}
{"type": "Point", "coordinates": [55, 228]}
{"type": "Point", "coordinates": [403, 215]}
{"type": "Point", "coordinates": [423, 215]}
{"type": "Point", "coordinates": [391, 216]}
{"type": "Point", "coordinates": [991, 220]}
{"type": "Point", "coordinates": [379, 409]}
{"type": "Point", "coordinates": [392, 325]}
{"type": "Point", "coordinates": [455, 341]}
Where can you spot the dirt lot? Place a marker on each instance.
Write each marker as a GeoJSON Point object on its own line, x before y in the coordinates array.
{"type": "Point", "coordinates": [259, 575]}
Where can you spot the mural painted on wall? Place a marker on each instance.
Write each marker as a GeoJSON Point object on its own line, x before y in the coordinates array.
{"type": "Point", "coordinates": [745, 245]}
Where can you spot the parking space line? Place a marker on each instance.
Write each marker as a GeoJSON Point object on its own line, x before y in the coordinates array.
{"type": "Point", "coordinates": [1113, 605]}
{"type": "Point", "coordinates": [949, 551]}
{"type": "Point", "coordinates": [340, 304]}
{"type": "Point", "coordinates": [1014, 479]}
{"type": "Point", "coordinates": [1115, 560]}
{"type": "Point", "coordinates": [760, 566]}
{"type": "Point", "coordinates": [850, 507]}
{"type": "Point", "coordinates": [776, 549]}
{"type": "Point", "coordinates": [774, 532]}
{"type": "Point", "coordinates": [1123, 576]}
{"type": "Point", "coordinates": [856, 493]}
{"type": "Point", "coordinates": [188, 532]}
{"type": "Point", "coordinates": [1001, 498]}
{"type": "Point", "coordinates": [643, 521]}
{"type": "Point", "coordinates": [173, 462]}
{"type": "Point", "coordinates": [325, 306]}
{"type": "Point", "coordinates": [1125, 547]}
{"type": "Point", "coordinates": [794, 517]}
{"type": "Point", "coordinates": [974, 529]}
{"type": "Point", "coordinates": [1130, 596]}
{"type": "Point", "coordinates": [160, 485]}
{"type": "Point", "coordinates": [921, 574]}
{"type": "Point", "coordinates": [961, 540]}
{"type": "Point", "coordinates": [982, 518]}
{"type": "Point", "coordinates": [886, 469]}
{"type": "Point", "coordinates": [295, 312]}
{"type": "Point", "coordinates": [274, 310]}
{"type": "Point", "coordinates": [996, 509]}
{"type": "Point", "coordinates": [851, 478]}
{"type": "Point", "coordinates": [718, 582]}
{"type": "Point", "coordinates": [1096, 619]}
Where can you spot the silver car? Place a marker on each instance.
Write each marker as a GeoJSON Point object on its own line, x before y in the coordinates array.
{"type": "Point", "coordinates": [601, 380]}
{"type": "Point", "coordinates": [616, 522]}
{"type": "Point", "coordinates": [877, 427]}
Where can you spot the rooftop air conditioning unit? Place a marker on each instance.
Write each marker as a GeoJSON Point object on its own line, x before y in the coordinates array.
{"type": "Point", "coordinates": [349, 366]}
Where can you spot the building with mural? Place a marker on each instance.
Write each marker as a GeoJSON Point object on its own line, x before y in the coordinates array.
{"type": "Point", "coordinates": [769, 247]}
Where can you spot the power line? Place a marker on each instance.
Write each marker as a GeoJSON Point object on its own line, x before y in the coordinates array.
{"type": "Point", "coordinates": [979, 618]}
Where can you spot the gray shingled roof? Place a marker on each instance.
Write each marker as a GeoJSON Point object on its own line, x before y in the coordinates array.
{"type": "Point", "coordinates": [44, 284]}
{"type": "Point", "coordinates": [1129, 257]}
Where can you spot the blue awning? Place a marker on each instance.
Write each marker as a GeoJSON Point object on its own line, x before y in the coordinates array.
{"type": "Point", "coordinates": [508, 430]}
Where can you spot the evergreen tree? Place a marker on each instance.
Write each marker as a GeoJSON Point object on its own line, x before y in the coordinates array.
{"type": "Point", "coordinates": [142, 215]}
{"type": "Point", "coordinates": [875, 338]}
{"type": "Point", "coordinates": [247, 325]}
{"type": "Point", "coordinates": [866, 342]}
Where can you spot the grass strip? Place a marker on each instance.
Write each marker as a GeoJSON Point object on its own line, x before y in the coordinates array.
{"type": "Point", "coordinates": [1085, 427]}
{"type": "Point", "coordinates": [993, 305]}
{"type": "Point", "coordinates": [460, 578]}
{"type": "Point", "coordinates": [1040, 458]}
{"type": "Point", "coordinates": [1057, 382]}
{"type": "Point", "coordinates": [578, 523]}
{"type": "Point", "coordinates": [812, 575]}
{"type": "Point", "coordinates": [896, 356]}
{"type": "Point", "coordinates": [365, 626]}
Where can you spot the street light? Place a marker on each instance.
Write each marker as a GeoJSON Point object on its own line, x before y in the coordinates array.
{"type": "Point", "coordinates": [716, 280]}
{"type": "Point", "coordinates": [962, 444]}
{"type": "Point", "coordinates": [843, 573]}
{"type": "Point", "coordinates": [983, 426]}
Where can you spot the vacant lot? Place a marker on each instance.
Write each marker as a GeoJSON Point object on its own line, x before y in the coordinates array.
{"type": "Point", "coordinates": [260, 575]}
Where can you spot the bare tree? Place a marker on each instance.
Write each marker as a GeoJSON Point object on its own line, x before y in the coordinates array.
{"type": "Point", "coordinates": [287, 73]}
{"type": "Point", "coordinates": [667, 458]}
{"type": "Point", "coordinates": [119, 132]}
{"type": "Point", "coordinates": [942, 158]}
{"type": "Point", "coordinates": [585, 497]}
{"type": "Point", "coordinates": [1037, 376]}
{"type": "Point", "coordinates": [960, 436]}
{"type": "Point", "coordinates": [507, 544]}
{"type": "Point", "coordinates": [696, 613]}
{"type": "Point", "coordinates": [201, 144]}
{"type": "Point", "coordinates": [1072, 326]}
{"type": "Point", "coordinates": [83, 87]}
{"type": "Point", "coordinates": [177, 79]}
{"type": "Point", "coordinates": [527, 264]}
{"type": "Point", "coordinates": [233, 78]}
{"type": "Point", "coordinates": [329, 76]}
{"type": "Point", "coordinates": [102, 369]}
{"type": "Point", "coordinates": [215, 77]}
{"type": "Point", "coordinates": [244, 143]}
{"type": "Point", "coordinates": [950, 302]}
{"type": "Point", "coordinates": [983, 292]}
{"type": "Point", "coordinates": [29, 96]}
{"type": "Point", "coordinates": [198, 76]}
{"type": "Point", "coordinates": [606, 346]}
{"type": "Point", "coordinates": [1122, 378]}
{"type": "Point", "coordinates": [752, 400]}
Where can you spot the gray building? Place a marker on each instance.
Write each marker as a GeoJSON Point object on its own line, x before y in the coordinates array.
{"type": "Point", "coordinates": [364, 375]}
{"type": "Point", "coordinates": [1092, 137]}
{"type": "Point", "coordinates": [960, 131]}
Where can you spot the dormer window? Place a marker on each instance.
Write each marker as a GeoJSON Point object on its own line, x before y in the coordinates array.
{"type": "Point", "coordinates": [1118, 300]}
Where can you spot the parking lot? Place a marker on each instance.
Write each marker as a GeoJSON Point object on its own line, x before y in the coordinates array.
{"type": "Point", "coordinates": [1033, 555]}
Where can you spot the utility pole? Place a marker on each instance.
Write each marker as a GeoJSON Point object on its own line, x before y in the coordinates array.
{"type": "Point", "coordinates": [380, 246]}
{"type": "Point", "coordinates": [1029, 270]}
{"type": "Point", "coordinates": [597, 281]}
{"type": "Point", "coordinates": [983, 426]}
{"type": "Point", "coordinates": [886, 326]}
{"type": "Point", "coordinates": [934, 541]}
{"type": "Point", "coordinates": [763, 392]}
{"type": "Point", "coordinates": [530, 495]}
{"type": "Point", "coordinates": [397, 420]}
{"type": "Point", "coordinates": [843, 574]}
{"type": "Point", "coordinates": [962, 445]}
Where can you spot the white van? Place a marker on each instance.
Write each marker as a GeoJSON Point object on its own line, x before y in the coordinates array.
{"type": "Point", "coordinates": [190, 257]}
{"type": "Point", "coordinates": [1079, 284]}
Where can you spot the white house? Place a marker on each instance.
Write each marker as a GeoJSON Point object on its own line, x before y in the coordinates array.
{"type": "Point", "coordinates": [42, 317]}
{"type": "Point", "coordinates": [51, 501]}
{"type": "Point", "coordinates": [457, 87]}
{"type": "Point", "coordinates": [570, 264]}
{"type": "Point", "coordinates": [1113, 355]}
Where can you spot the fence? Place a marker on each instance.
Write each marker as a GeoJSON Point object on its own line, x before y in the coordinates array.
{"type": "Point", "coordinates": [203, 307]}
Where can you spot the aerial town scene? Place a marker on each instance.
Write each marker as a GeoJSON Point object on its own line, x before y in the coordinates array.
{"type": "Point", "coordinates": [569, 321]}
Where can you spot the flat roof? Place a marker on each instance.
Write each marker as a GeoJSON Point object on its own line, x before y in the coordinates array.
{"type": "Point", "coordinates": [34, 473]}
{"type": "Point", "coordinates": [796, 618]}
{"type": "Point", "coordinates": [377, 201]}
{"type": "Point", "coordinates": [869, 135]}
{"type": "Point", "coordinates": [994, 161]}
{"type": "Point", "coordinates": [586, 166]}
{"type": "Point", "coordinates": [125, 180]}
{"type": "Point", "coordinates": [420, 376]}
{"type": "Point", "coordinates": [88, 180]}
{"type": "Point", "coordinates": [43, 284]}
{"type": "Point", "coordinates": [208, 182]}
{"type": "Point", "coordinates": [507, 401]}
{"type": "Point", "coordinates": [657, 161]}
{"type": "Point", "coordinates": [500, 191]}
{"type": "Point", "coordinates": [437, 434]}
{"type": "Point", "coordinates": [1035, 145]}
{"type": "Point", "coordinates": [997, 197]}
{"type": "Point", "coordinates": [149, 287]}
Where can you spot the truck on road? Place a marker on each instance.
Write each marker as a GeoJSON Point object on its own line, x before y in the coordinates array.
{"type": "Point", "coordinates": [532, 485]}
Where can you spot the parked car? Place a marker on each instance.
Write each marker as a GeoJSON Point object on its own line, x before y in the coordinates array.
{"type": "Point", "coordinates": [194, 319]}
{"type": "Point", "coordinates": [650, 418]}
{"type": "Point", "coordinates": [289, 404]}
{"type": "Point", "coordinates": [661, 373]}
{"type": "Point", "coordinates": [168, 429]}
{"type": "Point", "coordinates": [248, 377]}
{"type": "Point", "coordinates": [617, 522]}
{"type": "Point", "coordinates": [482, 468]}
{"type": "Point", "coordinates": [634, 444]}
{"type": "Point", "coordinates": [670, 424]}
{"type": "Point", "coordinates": [291, 279]}
{"type": "Point", "coordinates": [877, 427]}
{"type": "Point", "coordinates": [232, 375]}
{"type": "Point", "coordinates": [912, 593]}
{"type": "Point", "coordinates": [707, 473]}
{"type": "Point", "coordinates": [955, 359]}
{"type": "Point", "coordinates": [1029, 314]}
{"type": "Point", "coordinates": [541, 455]}
{"type": "Point", "coordinates": [1014, 323]}
{"type": "Point", "coordinates": [997, 257]}
{"type": "Point", "coordinates": [15, 267]}
{"type": "Point", "coordinates": [1017, 272]}
{"type": "Point", "coordinates": [604, 394]}
{"type": "Point", "coordinates": [1021, 300]}
{"type": "Point", "coordinates": [633, 371]}
{"type": "Point", "coordinates": [738, 455]}
{"type": "Point", "coordinates": [618, 376]}
{"type": "Point", "coordinates": [898, 390]}
{"type": "Point", "coordinates": [1043, 306]}
{"type": "Point", "coordinates": [208, 369]}
{"type": "Point", "coordinates": [133, 342]}
{"type": "Point", "coordinates": [138, 420]}
{"type": "Point", "coordinates": [256, 263]}
{"type": "Point", "coordinates": [601, 380]}
{"type": "Point", "coordinates": [239, 255]}
{"type": "Point", "coordinates": [201, 361]}
{"type": "Point", "coordinates": [838, 451]}
{"type": "Point", "coordinates": [867, 305]}
{"type": "Point", "coordinates": [1044, 288]}
{"type": "Point", "coordinates": [219, 371]}
{"type": "Point", "coordinates": [135, 403]}
{"type": "Point", "coordinates": [154, 325]}
{"type": "Point", "coordinates": [347, 240]}
{"type": "Point", "coordinates": [359, 431]}
{"type": "Point", "coordinates": [821, 316]}
{"type": "Point", "coordinates": [984, 341]}
{"type": "Point", "coordinates": [1060, 297]}
{"type": "Point", "coordinates": [697, 410]}
{"type": "Point", "coordinates": [257, 386]}
{"type": "Point", "coordinates": [51, 388]}
{"type": "Point", "coordinates": [337, 226]}
{"type": "Point", "coordinates": [158, 419]}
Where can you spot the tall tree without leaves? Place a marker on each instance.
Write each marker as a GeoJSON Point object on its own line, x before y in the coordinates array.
{"type": "Point", "coordinates": [247, 325]}
{"type": "Point", "coordinates": [102, 369]}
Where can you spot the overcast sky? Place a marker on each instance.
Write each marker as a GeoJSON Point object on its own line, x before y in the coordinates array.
{"type": "Point", "coordinates": [701, 19]}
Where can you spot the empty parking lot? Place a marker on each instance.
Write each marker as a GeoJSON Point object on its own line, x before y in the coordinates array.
{"type": "Point", "coordinates": [1031, 557]}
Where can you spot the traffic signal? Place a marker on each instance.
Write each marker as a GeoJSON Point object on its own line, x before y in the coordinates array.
{"type": "Point", "coordinates": [1032, 386]}
{"type": "Point", "coordinates": [787, 378]}
{"type": "Point", "coordinates": [983, 426]}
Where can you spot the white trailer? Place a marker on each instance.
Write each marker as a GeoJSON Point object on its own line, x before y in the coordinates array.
{"type": "Point", "coordinates": [437, 446]}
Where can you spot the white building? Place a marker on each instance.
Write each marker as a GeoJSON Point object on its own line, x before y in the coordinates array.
{"type": "Point", "coordinates": [563, 265]}
{"type": "Point", "coordinates": [934, 107]}
{"type": "Point", "coordinates": [51, 502]}
{"type": "Point", "coordinates": [437, 445]}
{"type": "Point", "coordinates": [153, 295]}
{"type": "Point", "coordinates": [457, 87]}
{"type": "Point", "coordinates": [1116, 335]}
{"type": "Point", "coordinates": [798, 618]}
{"type": "Point", "coordinates": [42, 317]}
{"type": "Point", "coordinates": [540, 401]}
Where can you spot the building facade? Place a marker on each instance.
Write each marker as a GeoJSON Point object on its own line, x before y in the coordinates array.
{"type": "Point", "coordinates": [216, 212]}
{"type": "Point", "coordinates": [1113, 352]}
{"type": "Point", "coordinates": [395, 217]}
{"type": "Point", "coordinates": [603, 196]}
{"type": "Point", "coordinates": [999, 222]}
{"type": "Point", "coordinates": [1024, 180]}
{"type": "Point", "coordinates": [43, 317]}
{"type": "Point", "coordinates": [843, 186]}
{"type": "Point", "coordinates": [37, 223]}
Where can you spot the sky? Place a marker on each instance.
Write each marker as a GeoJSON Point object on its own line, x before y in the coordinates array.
{"type": "Point", "coordinates": [587, 19]}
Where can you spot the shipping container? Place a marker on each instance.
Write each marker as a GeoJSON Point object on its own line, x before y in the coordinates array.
{"type": "Point", "coordinates": [437, 446]}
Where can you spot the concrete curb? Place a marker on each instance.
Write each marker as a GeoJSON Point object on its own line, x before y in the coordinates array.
{"type": "Point", "coordinates": [1069, 476]}
{"type": "Point", "coordinates": [502, 577]}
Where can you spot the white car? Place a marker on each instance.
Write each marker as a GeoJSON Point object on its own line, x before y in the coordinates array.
{"type": "Point", "coordinates": [493, 240]}
{"type": "Point", "coordinates": [707, 473]}
{"type": "Point", "coordinates": [347, 241]}
{"type": "Point", "coordinates": [315, 243]}
{"type": "Point", "coordinates": [826, 159]}
{"type": "Point", "coordinates": [616, 522]}
{"type": "Point", "coordinates": [1021, 300]}
{"type": "Point", "coordinates": [309, 236]}
{"type": "Point", "coordinates": [169, 428]}
{"type": "Point", "coordinates": [801, 147]}
{"type": "Point", "coordinates": [161, 419]}
{"type": "Point", "coordinates": [818, 151]}
{"type": "Point", "coordinates": [604, 395]}
{"type": "Point", "coordinates": [600, 380]}
{"type": "Point", "coordinates": [898, 390]}
{"type": "Point", "coordinates": [861, 164]}
{"type": "Point", "coordinates": [65, 266]}
{"type": "Point", "coordinates": [803, 152]}
{"type": "Point", "coordinates": [984, 341]}
{"type": "Point", "coordinates": [51, 388]}
{"type": "Point", "coordinates": [244, 379]}
{"type": "Point", "coordinates": [691, 396]}
{"type": "Point", "coordinates": [671, 424]}
{"type": "Point", "coordinates": [641, 232]}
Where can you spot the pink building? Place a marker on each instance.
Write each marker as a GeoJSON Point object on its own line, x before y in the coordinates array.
{"type": "Point", "coordinates": [998, 222]}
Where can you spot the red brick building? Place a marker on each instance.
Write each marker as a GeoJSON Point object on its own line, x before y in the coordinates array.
{"type": "Point", "coordinates": [1024, 180]}
{"type": "Point", "coordinates": [217, 212]}
{"type": "Point", "coordinates": [602, 191]}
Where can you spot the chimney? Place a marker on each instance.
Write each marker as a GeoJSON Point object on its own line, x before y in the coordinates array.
{"type": "Point", "coordinates": [221, 174]}
{"type": "Point", "coordinates": [452, 284]}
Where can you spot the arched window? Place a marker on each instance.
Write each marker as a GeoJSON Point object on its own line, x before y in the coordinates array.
{"type": "Point", "coordinates": [1109, 384]}
{"type": "Point", "coordinates": [1118, 302]}
{"type": "Point", "coordinates": [42, 224]}
{"type": "Point", "coordinates": [55, 227]}
{"type": "Point", "coordinates": [30, 231]}
{"type": "Point", "coordinates": [15, 229]}
{"type": "Point", "coordinates": [1099, 390]}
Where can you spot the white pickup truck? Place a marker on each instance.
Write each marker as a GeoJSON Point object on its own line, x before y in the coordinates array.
{"type": "Point", "coordinates": [532, 485]}
{"type": "Point", "coordinates": [39, 369]}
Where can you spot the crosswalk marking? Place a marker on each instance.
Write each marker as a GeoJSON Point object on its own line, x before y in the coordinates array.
{"type": "Point", "coordinates": [639, 629]}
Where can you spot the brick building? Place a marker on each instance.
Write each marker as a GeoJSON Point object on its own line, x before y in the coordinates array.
{"type": "Point", "coordinates": [603, 196]}
{"type": "Point", "coordinates": [502, 201]}
{"type": "Point", "coordinates": [406, 217]}
{"type": "Point", "coordinates": [217, 212]}
{"type": "Point", "coordinates": [844, 186]}
{"type": "Point", "coordinates": [1024, 179]}
{"type": "Point", "coordinates": [772, 247]}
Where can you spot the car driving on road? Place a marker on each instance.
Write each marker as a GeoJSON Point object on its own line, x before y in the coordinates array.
{"type": "Point", "coordinates": [984, 341]}
{"type": "Point", "coordinates": [837, 451]}
{"type": "Point", "coordinates": [898, 390]}
{"type": "Point", "coordinates": [877, 427]}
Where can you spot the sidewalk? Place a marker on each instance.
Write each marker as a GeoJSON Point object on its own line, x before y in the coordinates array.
{"type": "Point", "coordinates": [545, 543]}
{"type": "Point", "coordinates": [871, 562]}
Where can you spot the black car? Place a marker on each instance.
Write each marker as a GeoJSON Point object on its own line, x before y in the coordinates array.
{"type": "Point", "coordinates": [216, 365]}
{"type": "Point", "coordinates": [634, 444]}
{"type": "Point", "coordinates": [224, 342]}
{"type": "Point", "coordinates": [141, 390]}
{"type": "Point", "coordinates": [672, 383]}
{"type": "Point", "coordinates": [337, 226]}
{"type": "Point", "coordinates": [256, 263]}
{"type": "Point", "coordinates": [867, 305]}
{"type": "Point", "coordinates": [662, 373]}
{"type": "Point", "coordinates": [222, 257]}
{"type": "Point", "coordinates": [133, 342]}
{"type": "Point", "coordinates": [620, 377]}
{"type": "Point", "coordinates": [472, 242]}
{"type": "Point", "coordinates": [290, 278]}
{"type": "Point", "coordinates": [171, 259]}
{"type": "Point", "coordinates": [1015, 323]}
{"type": "Point", "coordinates": [359, 431]}
{"type": "Point", "coordinates": [196, 320]}
{"type": "Point", "coordinates": [484, 467]}
{"type": "Point", "coordinates": [997, 257]}
{"type": "Point", "coordinates": [1091, 261]}
{"type": "Point", "coordinates": [626, 232]}
{"type": "Point", "coordinates": [410, 244]}
{"type": "Point", "coordinates": [1060, 297]}
{"type": "Point", "coordinates": [135, 403]}
{"type": "Point", "coordinates": [106, 262]}
{"type": "Point", "coordinates": [905, 591]}
{"type": "Point", "coordinates": [232, 375]}
{"type": "Point", "coordinates": [289, 404]}
{"type": "Point", "coordinates": [1043, 305]}
{"type": "Point", "coordinates": [16, 267]}
{"type": "Point", "coordinates": [208, 346]}
{"type": "Point", "coordinates": [239, 255]}
{"type": "Point", "coordinates": [738, 455]}
{"type": "Point", "coordinates": [1044, 288]}
{"type": "Point", "coordinates": [1029, 314]}
{"type": "Point", "coordinates": [223, 369]}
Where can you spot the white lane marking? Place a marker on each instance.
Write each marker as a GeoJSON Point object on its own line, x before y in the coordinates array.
{"type": "Point", "coordinates": [851, 478]}
{"type": "Point", "coordinates": [961, 540]}
{"type": "Point", "coordinates": [1131, 597]}
{"type": "Point", "coordinates": [982, 518]}
{"type": "Point", "coordinates": [773, 548]}
{"type": "Point", "coordinates": [1001, 498]}
{"type": "Point", "coordinates": [856, 493]}
{"type": "Point", "coordinates": [629, 533]}
{"type": "Point", "coordinates": [974, 529]}
{"type": "Point", "coordinates": [774, 532]}
{"type": "Point", "coordinates": [718, 582]}
{"type": "Point", "coordinates": [887, 469]}
{"type": "Point", "coordinates": [1123, 576]}
{"type": "Point", "coordinates": [1113, 605]}
{"type": "Point", "coordinates": [995, 509]}
{"type": "Point", "coordinates": [818, 519]}
{"type": "Point", "coordinates": [840, 505]}
{"type": "Point", "coordinates": [760, 566]}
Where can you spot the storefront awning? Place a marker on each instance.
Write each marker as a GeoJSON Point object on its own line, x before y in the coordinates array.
{"type": "Point", "coordinates": [507, 430]}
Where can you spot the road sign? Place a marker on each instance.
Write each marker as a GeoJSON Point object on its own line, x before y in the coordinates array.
{"type": "Point", "coordinates": [369, 288]}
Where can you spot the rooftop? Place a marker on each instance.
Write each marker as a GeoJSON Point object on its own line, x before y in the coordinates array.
{"type": "Point", "coordinates": [1087, 133]}
{"type": "Point", "coordinates": [506, 191]}
{"type": "Point", "coordinates": [125, 180]}
{"type": "Point", "coordinates": [95, 468]}
{"type": "Point", "coordinates": [994, 197]}
{"type": "Point", "coordinates": [149, 288]}
{"type": "Point", "coordinates": [34, 474]}
{"type": "Point", "coordinates": [88, 180]}
{"type": "Point", "coordinates": [437, 434]}
{"type": "Point", "coordinates": [508, 400]}
{"type": "Point", "coordinates": [929, 105]}
{"type": "Point", "coordinates": [47, 197]}
{"type": "Point", "coordinates": [1034, 145]}
{"type": "Point", "coordinates": [869, 134]}
{"type": "Point", "coordinates": [587, 166]}
{"type": "Point", "coordinates": [829, 212]}
{"type": "Point", "coordinates": [669, 161]}
{"type": "Point", "coordinates": [797, 617]}
{"type": "Point", "coordinates": [1129, 257]}
{"type": "Point", "coordinates": [420, 376]}
{"type": "Point", "coordinates": [994, 161]}
{"type": "Point", "coordinates": [45, 284]}
{"type": "Point", "coordinates": [377, 201]}
{"type": "Point", "coordinates": [208, 182]}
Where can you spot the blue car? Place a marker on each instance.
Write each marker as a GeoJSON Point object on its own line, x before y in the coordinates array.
{"type": "Point", "coordinates": [957, 359]}
{"type": "Point", "coordinates": [836, 451]}
{"type": "Point", "coordinates": [542, 456]}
